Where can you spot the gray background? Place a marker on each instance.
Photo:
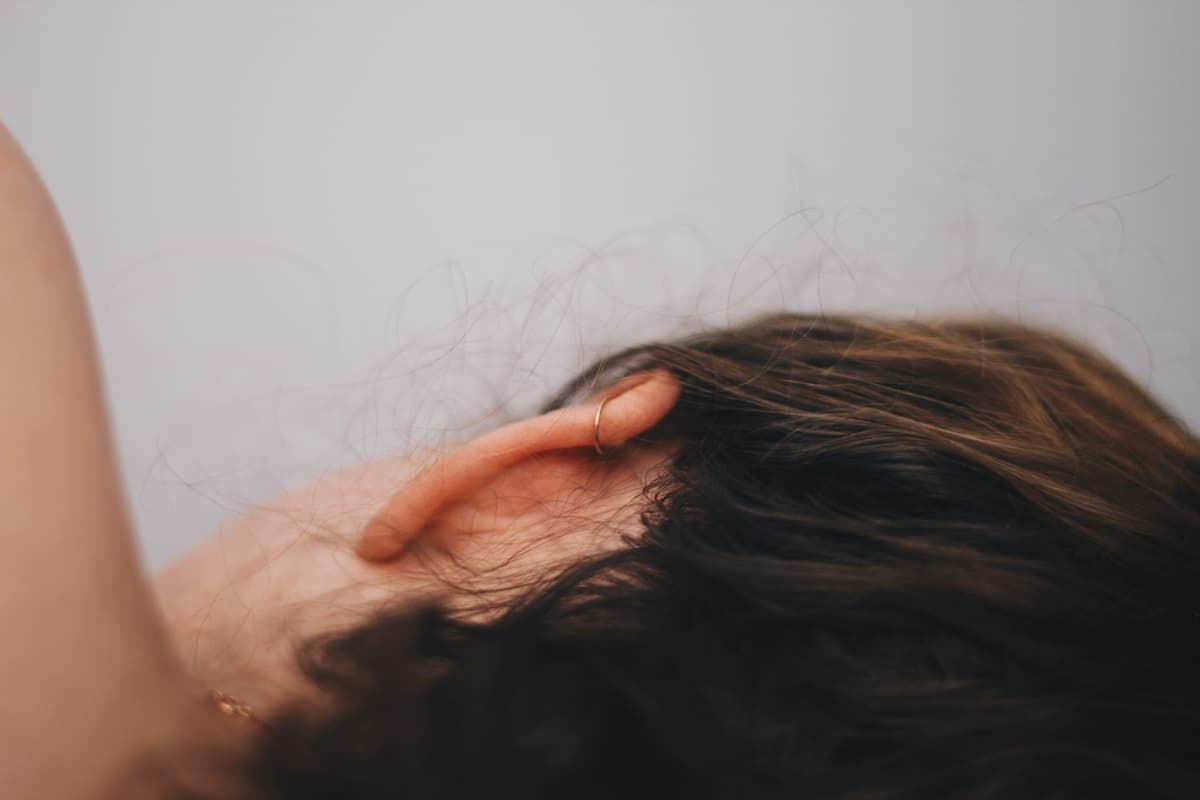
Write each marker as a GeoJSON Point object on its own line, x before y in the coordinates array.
{"type": "Point", "coordinates": [318, 232]}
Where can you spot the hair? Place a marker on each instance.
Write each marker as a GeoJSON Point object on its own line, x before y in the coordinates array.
{"type": "Point", "coordinates": [889, 559]}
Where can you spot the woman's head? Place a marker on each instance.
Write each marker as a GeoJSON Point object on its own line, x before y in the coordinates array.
{"type": "Point", "coordinates": [470, 526]}
{"type": "Point", "coordinates": [884, 559]}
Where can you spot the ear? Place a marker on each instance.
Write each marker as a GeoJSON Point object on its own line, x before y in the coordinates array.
{"type": "Point", "coordinates": [631, 407]}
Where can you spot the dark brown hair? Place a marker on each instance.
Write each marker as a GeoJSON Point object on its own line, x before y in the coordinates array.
{"type": "Point", "coordinates": [891, 559]}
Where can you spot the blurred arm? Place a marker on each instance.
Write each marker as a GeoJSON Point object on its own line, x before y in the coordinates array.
{"type": "Point", "coordinates": [85, 671]}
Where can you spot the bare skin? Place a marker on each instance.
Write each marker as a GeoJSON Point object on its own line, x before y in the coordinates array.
{"type": "Point", "coordinates": [81, 644]}
{"type": "Point", "coordinates": [238, 605]}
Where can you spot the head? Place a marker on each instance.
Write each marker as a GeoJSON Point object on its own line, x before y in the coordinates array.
{"type": "Point", "coordinates": [839, 557]}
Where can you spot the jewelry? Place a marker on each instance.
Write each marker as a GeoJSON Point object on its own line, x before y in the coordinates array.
{"type": "Point", "coordinates": [231, 707]}
{"type": "Point", "coordinates": [596, 428]}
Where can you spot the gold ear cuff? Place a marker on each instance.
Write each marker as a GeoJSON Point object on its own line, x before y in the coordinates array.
{"type": "Point", "coordinates": [596, 428]}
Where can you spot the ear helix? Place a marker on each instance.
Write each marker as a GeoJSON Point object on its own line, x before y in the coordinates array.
{"type": "Point", "coordinates": [630, 407]}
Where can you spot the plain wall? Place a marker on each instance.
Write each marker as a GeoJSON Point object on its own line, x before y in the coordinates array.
{"type": "Point", "coordinates": [318, 232]}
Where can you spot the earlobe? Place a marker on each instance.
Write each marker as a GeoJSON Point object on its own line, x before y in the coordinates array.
{"type": "Point", "coordinates": [631, 407]}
